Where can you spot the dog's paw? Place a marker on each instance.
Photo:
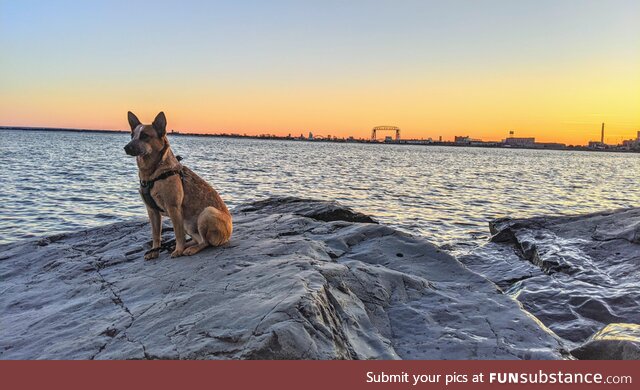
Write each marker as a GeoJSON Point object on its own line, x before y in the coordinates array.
{"type": "Point", "coordinates": [151, 255]}
{"type": "Point", "coordinates": [177, 252]}
{"type": "Point", "coordinates": [192, 250]}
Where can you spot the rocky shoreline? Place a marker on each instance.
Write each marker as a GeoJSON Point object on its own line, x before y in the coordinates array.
{"type": "Point", "coordinates": [300, 279]}
{"type": "Point", "coordinates": [579, 275]}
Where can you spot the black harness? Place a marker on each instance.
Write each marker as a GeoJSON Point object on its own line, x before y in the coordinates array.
{"type": "Point", "coordinates": [147, 185]}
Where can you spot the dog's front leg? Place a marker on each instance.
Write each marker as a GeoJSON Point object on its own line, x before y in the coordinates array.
{"type": "Point", "coordinates": [175, 213]}
{"type": "Point", "coordinates": [156, 234]}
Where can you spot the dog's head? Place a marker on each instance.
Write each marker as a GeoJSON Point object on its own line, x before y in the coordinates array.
{"type": "Point", "coordinates": [146, 139]}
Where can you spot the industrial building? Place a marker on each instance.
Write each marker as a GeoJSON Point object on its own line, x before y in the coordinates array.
{"type": "Point", "coordinates": [526, 142]}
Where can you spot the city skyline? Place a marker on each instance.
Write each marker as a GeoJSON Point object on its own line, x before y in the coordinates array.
{"type": "Point", "coordinates": [630, 144]}
{"type": "Point", "coordinates": [550, 70]}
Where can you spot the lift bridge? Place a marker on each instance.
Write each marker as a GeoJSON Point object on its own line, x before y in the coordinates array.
{"type": "Point", "coordinates": [385, 128]}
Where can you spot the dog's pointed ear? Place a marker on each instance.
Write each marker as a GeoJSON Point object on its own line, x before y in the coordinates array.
{"type": "Point", "coordinates": [133, 120]}
{"type": "Point", "coordinates": [160, 124]}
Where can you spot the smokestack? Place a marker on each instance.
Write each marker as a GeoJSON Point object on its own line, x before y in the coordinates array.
{"type": "Point", "coordinates": [602, 134]}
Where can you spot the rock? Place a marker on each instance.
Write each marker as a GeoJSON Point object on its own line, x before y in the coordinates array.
{"type": "Point", "coordinates": [613, 342]}
{"type": "Point", "coordinates": [576, 274]}
{"type": "Point", "coordinates": [322, 211]}
{"type": "Point", "coordinates": [500, 264]}
{"type": "Point", "coordinates": [300, 279]}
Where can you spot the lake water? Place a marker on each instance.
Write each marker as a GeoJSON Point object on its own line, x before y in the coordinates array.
{"type": "Point", "coordinates": [54, 181]}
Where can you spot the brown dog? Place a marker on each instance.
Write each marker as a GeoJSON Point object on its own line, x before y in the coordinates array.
{"type": "Point", "coordinates": [170, 189]}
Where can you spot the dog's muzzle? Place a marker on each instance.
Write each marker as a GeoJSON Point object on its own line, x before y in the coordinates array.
{"type": "Point", "coordinates": [131, 150]}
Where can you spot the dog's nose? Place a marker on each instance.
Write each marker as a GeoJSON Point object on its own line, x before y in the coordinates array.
{"type": "Point", "coordinates": [128, 149]}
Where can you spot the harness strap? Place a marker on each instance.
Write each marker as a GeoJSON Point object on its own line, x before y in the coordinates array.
{"type": "Point", "coordinates": [147, 185]}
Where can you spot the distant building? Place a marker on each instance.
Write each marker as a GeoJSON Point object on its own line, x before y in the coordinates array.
{"type": "Point", "coordinates": [520, 141]}
{"type": "Point", "coordinates": [466, 140]}
{"type": "Point", "coordinates": [416, 141]}
{"type": "Point", "coordinates": [483, 143]}
{"type": "Point", "coordinates": [310, 136]}
{"type": "Point", "coordinates": [550, 145]}
{"type": "Point", "coordinates": [597, 145]}
{"type": "Point", "coordinates": [632, 143]}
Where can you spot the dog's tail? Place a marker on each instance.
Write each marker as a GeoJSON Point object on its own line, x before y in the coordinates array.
{"type": "Point", "coordinates": [215, 226]}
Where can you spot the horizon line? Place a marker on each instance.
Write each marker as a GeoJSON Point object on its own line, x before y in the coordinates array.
{"type": "Point", "coordinates": [288, 136]}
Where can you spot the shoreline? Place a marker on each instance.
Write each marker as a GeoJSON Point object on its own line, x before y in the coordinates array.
{"type": "Point", "coordinates": [300, 279]}
{"type": "Point", "coordinates": [340, 281]}
{"type": "Point", "coordinates": [579, 148]}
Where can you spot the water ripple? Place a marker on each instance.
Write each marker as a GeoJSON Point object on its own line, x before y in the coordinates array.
{"type": "Point", "coordinates": [55, 181]}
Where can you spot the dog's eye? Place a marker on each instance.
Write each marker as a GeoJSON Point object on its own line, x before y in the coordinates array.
{"type": "Point", "coordinates": [144, 136]}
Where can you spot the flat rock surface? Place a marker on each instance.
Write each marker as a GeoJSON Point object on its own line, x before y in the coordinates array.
{"type": "Point", "coordinates": [577, 274]}
{"type": "Point", "coordinates": [300, 279]}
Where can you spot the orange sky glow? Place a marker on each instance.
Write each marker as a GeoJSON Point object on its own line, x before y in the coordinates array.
{"type": "Point", "coordinates": [554, 75]}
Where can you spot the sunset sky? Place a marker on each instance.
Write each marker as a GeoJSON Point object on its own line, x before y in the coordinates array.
{"type": "Point", "coordinates": [550, 69]}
